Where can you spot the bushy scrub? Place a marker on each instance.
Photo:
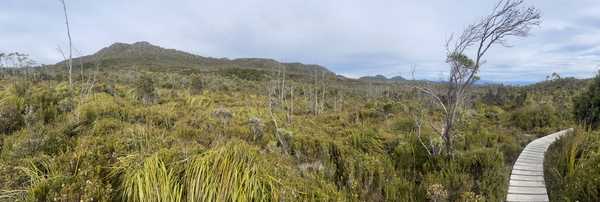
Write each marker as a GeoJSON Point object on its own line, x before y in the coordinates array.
{"type": "Point", "coordinates": [11, 118]}
{"type": "Point", "coordinates": [367, 141]}
{"type": "Point", "coordinates": [219, 141]}
{"type": "Point", "coordinates": [486, 166]}
{"type": "Point", "coordinates": [34, 141]}
{"type": "Point", "coordinates": [535, 117]}
{"type": "Point", "coordinates": [587, 105]}
{"type": "Point", "coordinates": [145, 91]}
{"type": "Point", "coordinates": [479, 173]}
{"type": "Point", "coordinates": [101, 105]}
{"type": "Point", "coordinates": [49, 180]}
{"type": "Point", "coordinates": [405, 125]}
{"type": "Point", "coordinates": [105, 126]}
{"type": "Point", "coordinates": [197, 84]}
{"type": "Point", "coordinates": [162, 116]}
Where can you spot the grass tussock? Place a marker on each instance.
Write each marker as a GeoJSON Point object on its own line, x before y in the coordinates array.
{"type": "Point", "coordinates": [232, 172]}
{"type": "Point", "coordinates": [152, 182]}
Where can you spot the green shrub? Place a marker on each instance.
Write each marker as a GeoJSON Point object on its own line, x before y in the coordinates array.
{"type": "Point", "coordinates": [11, 118]}
{"type": "Point", "coordinates": [197, 84]}
{"type": "Point", "coordinates": [448, 183]}
{"type": "Point", "coordinates": [479, 171]}
{"type": "Point", "coordinates": [22, 88]}
{"type": "Point", "coordinates": [101, 105]}
{"type": "Point", "coordinates": [405, 125]}
{"type": "Point", "coordinates": [535, 116]}
{"type": "Point", "coordinates": [35, 141]}
{"type": "Point", "coordinates": [104, 126]}
{"type": "Point", "coordinates": [368, 176]}
{"type": "Point", "coordinates": [587, 105]}
{"type": "Point", "coordinates": [400, 189]}
{"type": "Point", "coordinates": [487, 169]}
{"type": "Point", "coordinates": [145, 91]}
{"type": "Point", "coordinates": [162, 116]}
{"type": "Point", "coordinates": [367, 141]}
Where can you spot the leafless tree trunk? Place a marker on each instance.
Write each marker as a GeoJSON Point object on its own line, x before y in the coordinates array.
{"type": "Point", "coordinates": [507, 19]}
{"type": "Point", "coordinates": [271, 92]}
{"type": "Point", "coordinates": [291, 107]}
{"type": "Point", "coordinates": [315, 95]}
{"type": "Point", "coordinates": [282, 90]}
{"type": "Point", "coordinates": [70, 62]}
{"type": "Point", "coordinates": [341, 100]}
{"type": "Point", "coordinates": [91, 80]}
{"type": "Point", "coordinates": [323, 89]}
{"type": "Point", "coordinates": [335, 101]}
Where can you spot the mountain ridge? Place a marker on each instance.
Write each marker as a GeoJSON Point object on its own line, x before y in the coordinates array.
{"type": "Point", "coordinates": [142, 53]}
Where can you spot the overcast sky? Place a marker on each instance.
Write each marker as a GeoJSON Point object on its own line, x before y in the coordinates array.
{"type": "Point", "coordinates": [350, 37]}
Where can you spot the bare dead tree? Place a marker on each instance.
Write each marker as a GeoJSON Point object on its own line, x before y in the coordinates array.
{"type": "Point", "coordinates": [315, 95]}
{"type": "Point", "coordinates": [290, 112]}
{"type": "Point", "coordinates": [282, 82]}
{"type": "Point", "coordinates": [335, 100]}
{"type": "Point", "coordinates": [323, 91]}
{"type": "Point", "coordinates": [70, 62]}
{"type": "Point", "coordinates": [418, 117]}
{"type": "Point", "coordinates": [507, 19]}
{"type": "Point", "coordinates": [88, 86]}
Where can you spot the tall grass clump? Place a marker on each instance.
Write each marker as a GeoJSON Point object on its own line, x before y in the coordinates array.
{"type": "Point", "coordinates": [573, 167]}
{"type": "Point", "coordinates": [152, 182]}
{"type": "Point", "coordinates": [43, 177]}
{"type": "Point", "coordinates": [232, 172]}
{"type": "Point", "coordinates": [367, 141]}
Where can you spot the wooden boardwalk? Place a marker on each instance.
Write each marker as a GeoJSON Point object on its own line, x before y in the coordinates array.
{"type": "Point", "coordinates": [527, 177]}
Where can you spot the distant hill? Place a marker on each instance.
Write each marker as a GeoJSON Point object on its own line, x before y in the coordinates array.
{"type": "Point", "coordinates": [146, 55]}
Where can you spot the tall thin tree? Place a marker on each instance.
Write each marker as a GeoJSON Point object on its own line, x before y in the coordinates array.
{"type": "Point", "coordinates": [507, 19]}
{"type": "Point", "coordinates": [70, 62]}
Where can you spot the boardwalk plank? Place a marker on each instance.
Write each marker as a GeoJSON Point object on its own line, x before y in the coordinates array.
{"type": "Point", "coordinates": [525, 197]}
{"type": "Point", "coordinates": [526, 190]}
{"type": "Point", "coordinates": [527, 172]}
{"type": "Point", "coordinates": [528, 168]}
{"type": "Point", "coordinates": [527, 177]}
{"type": "Point", "coordinates": [527, 183]}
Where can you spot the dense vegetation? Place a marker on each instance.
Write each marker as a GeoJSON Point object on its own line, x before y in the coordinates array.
{"type": "Point", "coordinates": [147, 134]}
{"type": "Point", "coordinates": [573, 165]}
{"type": "Point", "coordinates": [573, 168]}
{"type": "Point", "coordinates": [587, 105]}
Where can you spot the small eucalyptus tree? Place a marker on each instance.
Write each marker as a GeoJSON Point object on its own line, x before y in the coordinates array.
{"type": "Point", "coordinates": [508, 19]}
